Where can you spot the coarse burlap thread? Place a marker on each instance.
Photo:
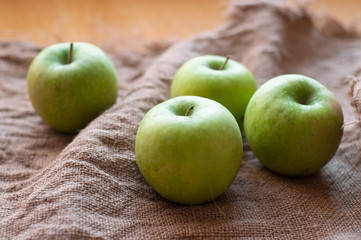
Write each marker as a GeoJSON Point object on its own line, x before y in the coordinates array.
{"type": "Point", "coordinates": [88, 186]}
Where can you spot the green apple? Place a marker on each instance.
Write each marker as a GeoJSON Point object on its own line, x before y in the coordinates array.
{"type": "Point", "coordinates": [71, 84]}
{"type": "Point", "coordinates": [218, 78]}
{"type": "Point", "coordinates": [189, 149]}
{"type": "Point", "coordinates": [293, 124]}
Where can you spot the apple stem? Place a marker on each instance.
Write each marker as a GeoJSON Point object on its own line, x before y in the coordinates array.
{"type": "Point", "coordinates": [225, 62]}
{"type": "Point", "coordinates": [189, 110]}
{"type": "Point", "coordinates": [70, 56]}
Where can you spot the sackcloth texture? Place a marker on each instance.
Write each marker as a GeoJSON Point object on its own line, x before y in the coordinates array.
{"type": "Point", "coordinates": [88, 186]}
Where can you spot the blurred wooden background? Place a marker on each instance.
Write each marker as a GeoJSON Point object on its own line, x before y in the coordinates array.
{"type": "Point", "coordinates": [128, 22]}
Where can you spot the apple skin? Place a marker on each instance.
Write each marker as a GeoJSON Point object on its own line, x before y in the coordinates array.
{"type": "Point", "coordinates": [68, 96]}
{"type": "Point", "coordinates": [189, 159]}
{"type": "Point", "coordinates": [232, 87]}
{"type": "Point", "coordinates": [293, 124]}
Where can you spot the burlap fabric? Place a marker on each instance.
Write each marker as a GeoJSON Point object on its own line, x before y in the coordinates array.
{"type": "Point", "coordinates": [88, 186]}
{"type": "Point", "coordinates": [355, 93]}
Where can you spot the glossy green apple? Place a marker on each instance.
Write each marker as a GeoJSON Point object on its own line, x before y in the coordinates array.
{"type": "Point", "coordinates": [293, 124]}
{"type": "Point", "coordinates": [69, 88]}
{"type": "Point", "coordinates": [230, 84]}
{"type": "Point", "coordinates": [189, 149]}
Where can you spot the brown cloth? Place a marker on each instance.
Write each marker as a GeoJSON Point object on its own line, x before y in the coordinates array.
{"type": "Point", "coordinates": [355, 92]}
{"type": "Point", "coordinates": [88, 186]}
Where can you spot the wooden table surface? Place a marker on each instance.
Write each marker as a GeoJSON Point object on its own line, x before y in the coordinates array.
{"type": "Point", "coordinates": [127, 22]}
